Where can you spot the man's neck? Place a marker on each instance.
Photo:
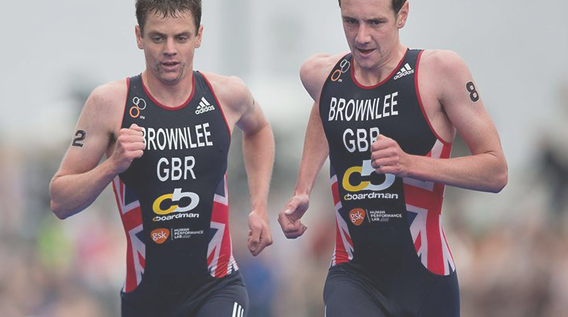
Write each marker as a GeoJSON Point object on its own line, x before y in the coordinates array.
{"type": "Point", "coordinates": [169, 94]}
{"type": "Point", "coordinates": [379, 73]}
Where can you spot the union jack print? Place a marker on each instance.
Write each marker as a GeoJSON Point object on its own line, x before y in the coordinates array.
{"type": "Point", "coordinates": [343, 245]}
{"type": "Point", "coordinates": [131, 215]}
{"type": "Point", "coordinates": [424, 205]}
{"type": "Point", "coordinates": [220, 260]}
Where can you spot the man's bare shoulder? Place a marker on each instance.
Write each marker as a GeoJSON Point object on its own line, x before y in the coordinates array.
{"type": "Point", "coordinates": [109, 96]}
{"type": "Point", "coordinates": [104, 108]}
{"type": "Point", "coordinates": [319, 65]}
{"type": "Point", "coordinates": [314, 72]}
{"type": "Point", "coordinates": [442, 61]}
{"type": "Point", "coordinates": [230, 90]}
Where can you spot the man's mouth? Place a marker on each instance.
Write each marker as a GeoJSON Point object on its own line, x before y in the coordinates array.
{"type": "Point", "coordinates": [169, 65]}
{"type": "Point", "coordinates": [365, 51]}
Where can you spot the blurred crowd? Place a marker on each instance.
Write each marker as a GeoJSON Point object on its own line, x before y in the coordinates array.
{"type": "Point", "coordinates": [514, 265]}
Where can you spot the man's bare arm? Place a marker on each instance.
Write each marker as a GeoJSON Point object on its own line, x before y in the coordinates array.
{"type": "Point", "coordinates": [80, 179]}
{"type": "Point", "coordinates": [485, 169]}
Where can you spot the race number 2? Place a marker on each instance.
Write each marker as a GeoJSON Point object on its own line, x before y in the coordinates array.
{"type": "Point", "coordinates": [80, 136]}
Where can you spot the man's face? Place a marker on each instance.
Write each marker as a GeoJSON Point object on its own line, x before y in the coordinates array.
{"type": "Point", "coordinates": [169, 45]}
{"type": "Point", "coordinates": [371, 28]}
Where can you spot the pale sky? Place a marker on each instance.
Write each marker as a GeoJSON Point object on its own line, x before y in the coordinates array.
{"type": "Point", "coordinates": [515, 50]}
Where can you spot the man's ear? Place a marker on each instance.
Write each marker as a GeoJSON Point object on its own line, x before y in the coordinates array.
{"type": "Point", "coordinates": [402, 15]}
{"type": "Point", "coordinates": [199, 36]}
{"type": "Point", "coordinates": [138, 32]}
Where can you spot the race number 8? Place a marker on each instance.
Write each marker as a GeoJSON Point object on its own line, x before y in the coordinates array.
{"type": "Point", "coordinates": [472, 91]}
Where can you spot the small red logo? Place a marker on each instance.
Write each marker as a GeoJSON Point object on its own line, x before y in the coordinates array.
{"type": "Point", "coordinates": [357, 216]}
{"type": "Point", "coordinates": [160, 235]}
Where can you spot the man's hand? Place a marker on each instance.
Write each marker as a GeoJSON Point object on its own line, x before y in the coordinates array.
{"type": "Point", "coordinates": [388, 158]}
{"type": "Point", "coordinates": [129, 146]}
{"type": "Point", "coordinates": [259, 235]}
{"type": "Point", "coordinates": [289, 218]}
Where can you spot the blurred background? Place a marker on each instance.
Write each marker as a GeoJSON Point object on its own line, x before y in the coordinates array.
{"type": "Point", "coordinates": [511, 249]}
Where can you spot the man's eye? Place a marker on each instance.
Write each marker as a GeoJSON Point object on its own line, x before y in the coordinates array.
{"type": "Point", "coordinates": [156, 39]}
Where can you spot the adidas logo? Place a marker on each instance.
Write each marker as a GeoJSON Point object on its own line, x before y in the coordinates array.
{"type": "Point", "coordinates": [204, 106]}
{"type": "Point", "coordinates": [405, 70]}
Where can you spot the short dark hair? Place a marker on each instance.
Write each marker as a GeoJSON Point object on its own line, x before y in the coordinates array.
{"type": "Point", "coordinates": [167, 8]}
{"type": "Point", "coordinates": [396, 5]}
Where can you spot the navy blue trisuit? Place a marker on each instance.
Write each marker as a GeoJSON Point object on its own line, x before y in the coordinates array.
{"type": "Point", "coordinates": [391, 257]}
{"type": "Point", "coordinates": [174, 207]}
